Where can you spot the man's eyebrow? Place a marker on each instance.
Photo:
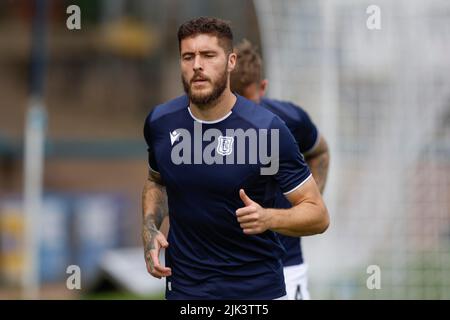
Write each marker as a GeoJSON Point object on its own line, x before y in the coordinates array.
{"type": "Point", "coordinates": [207, 51]}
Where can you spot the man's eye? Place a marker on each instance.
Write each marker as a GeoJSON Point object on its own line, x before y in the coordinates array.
{"type": "Point", "coordinates": [187, 58]}
{"type": "Point", "coordinates": [210, 55]}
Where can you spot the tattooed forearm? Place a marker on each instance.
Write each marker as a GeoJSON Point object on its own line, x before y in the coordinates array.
{"type": "Point", "coordinates": [149, 232]}
{"type": "Point", "coordinates": [319, 169]}
{"type": "Point", "coordinates": [318, 161]}
{"type": "Point", "coordinates": [154, 202]}
{"type": "Point", "coordinates": [154, 209]}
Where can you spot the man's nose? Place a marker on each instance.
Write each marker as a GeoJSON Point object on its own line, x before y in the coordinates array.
{"type": "Point", "coordinates": [197, 63]}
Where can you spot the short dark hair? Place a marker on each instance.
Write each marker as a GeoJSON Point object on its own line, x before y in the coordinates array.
{"type": "Point", "coordinates": [208, 25]}
{"type": "Point", "coordinates": [248, 69]}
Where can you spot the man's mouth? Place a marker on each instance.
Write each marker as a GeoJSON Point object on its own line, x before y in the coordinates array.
{"type": "Point", "coordinates": [199, 80]}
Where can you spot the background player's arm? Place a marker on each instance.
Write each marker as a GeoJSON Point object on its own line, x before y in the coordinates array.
{"type": "Point", "coordinates": [154, 209]}
{"type": "Point", "coordinates": [308, 215]}
{"type": "Point", "coordinates": [318, 161]}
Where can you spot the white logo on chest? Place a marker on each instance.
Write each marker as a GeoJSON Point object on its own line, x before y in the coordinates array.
{"type": "Point", "coordinates": [174, 135]}
{"type": "Point", "coordinates": [225, 145]}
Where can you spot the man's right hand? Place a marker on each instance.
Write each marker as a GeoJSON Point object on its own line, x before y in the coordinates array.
{"type": "Point", "coordinates": [152, 250]}
{"type": "Point", "coordinates": [154, 210]}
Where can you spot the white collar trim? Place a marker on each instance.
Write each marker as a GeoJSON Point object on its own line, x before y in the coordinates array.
{"type": "Point", "coordinates": [211, 121]}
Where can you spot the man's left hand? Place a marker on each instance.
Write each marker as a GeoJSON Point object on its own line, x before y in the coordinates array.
{"type": "Point", "coordinates": [252, 218]}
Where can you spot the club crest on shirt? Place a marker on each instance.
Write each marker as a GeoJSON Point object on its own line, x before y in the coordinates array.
{"type": "Point", "coordinates": [225, 145]}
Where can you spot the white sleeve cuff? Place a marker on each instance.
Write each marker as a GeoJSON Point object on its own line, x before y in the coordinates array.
{"type": "Point", "coordinates": [292, 190]}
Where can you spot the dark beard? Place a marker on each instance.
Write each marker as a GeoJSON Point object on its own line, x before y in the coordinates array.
{"type": "Point", "coordinates": [204, 100]}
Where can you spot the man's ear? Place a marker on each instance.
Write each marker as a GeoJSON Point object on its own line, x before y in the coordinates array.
{"type": "Point", "coordinates": [232, 58]}
{"type": "Point", "coordinates": [263, 87]}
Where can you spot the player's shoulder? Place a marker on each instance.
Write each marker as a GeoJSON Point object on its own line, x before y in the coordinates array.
{"type": "Point", "coordinates": [285, 108]}
{"type": "Point", "coordinates": [256, 116]}
{"type": "Point", "coordinates": [168, 108]}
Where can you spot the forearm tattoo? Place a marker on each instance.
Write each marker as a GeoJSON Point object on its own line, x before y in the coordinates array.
{"type": "Point", "coordinates": [154, 209]}
{"type": "Point", "coordinates": [319, 169]}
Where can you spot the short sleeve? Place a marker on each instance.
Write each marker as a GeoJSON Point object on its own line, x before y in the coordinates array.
{"type": "Point", "coordinates": [305, 132]}
{"type": "Point", "coordinates": [293, 170]}
{"type": "Point", "coordinates": [149, 140]}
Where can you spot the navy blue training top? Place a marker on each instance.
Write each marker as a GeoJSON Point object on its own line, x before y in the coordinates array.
{"type": "Point", "coordinates": [307, 136]}
{"type": "Point", "coordinates": [210, 256]}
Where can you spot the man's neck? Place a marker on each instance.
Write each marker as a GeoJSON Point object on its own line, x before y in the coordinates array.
{"type": "Point", "coordinates": [216, 110]}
